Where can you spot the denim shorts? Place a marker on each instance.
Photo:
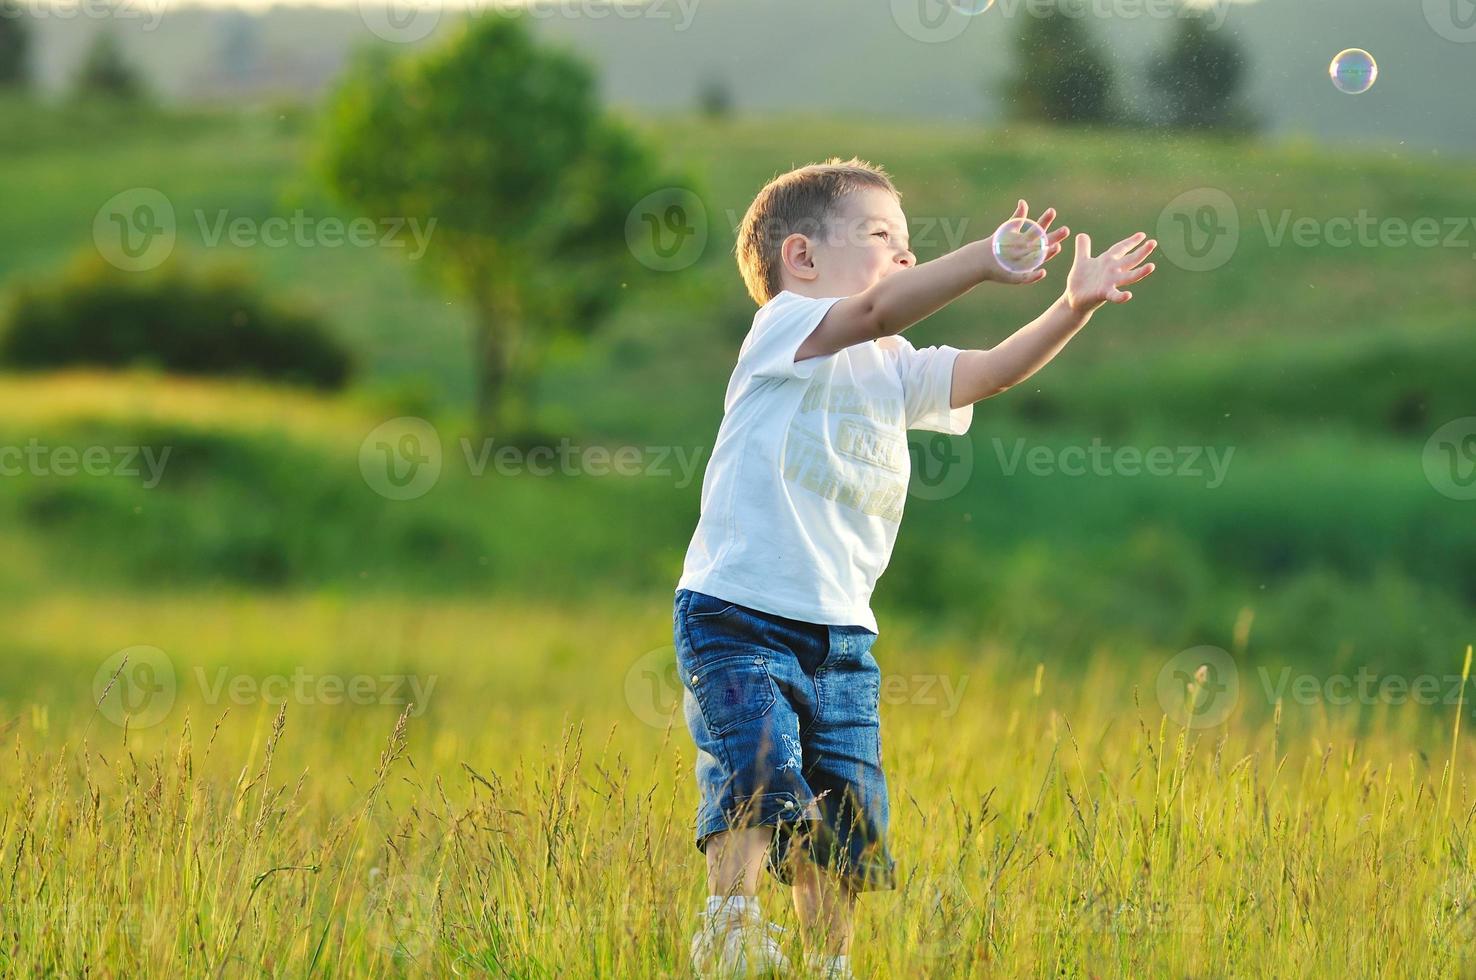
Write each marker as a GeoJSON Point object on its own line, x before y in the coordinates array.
{"type": "Point", "coordinates": [784, 716]}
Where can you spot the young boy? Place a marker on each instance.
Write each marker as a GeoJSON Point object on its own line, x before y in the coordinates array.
{"type": "Point", "coordinates": [801, 501]}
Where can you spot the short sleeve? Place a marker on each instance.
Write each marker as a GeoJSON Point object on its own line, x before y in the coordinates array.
{"type": "Point", "coordinates": [779, 328]}
{"type": "Point", "coordinates": [927, 388]}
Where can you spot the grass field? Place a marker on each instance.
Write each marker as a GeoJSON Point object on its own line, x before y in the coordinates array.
{"type": "Point", "coordinates": [206, 672]}
{"type": "Point", "coordinates": [530, 816]}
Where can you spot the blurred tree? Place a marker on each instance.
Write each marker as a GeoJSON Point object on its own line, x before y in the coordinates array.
{"type": "Point", "coordinates": [238, 45]}
{"type": "Point", "coordinates": [715, 98]}
{"type": "Point", "coordinates": [503, 144]}
{"type": "Point", "coordinates": [1198, 79]}
{"type": "Point", "coordinates": [104, 71]}
{"type": "Point", "coordinates": [216, 322]}
{"type": "Point", "coordinates": [1060, 75]}
{"type": "Point", "coordinates": [15, 37]}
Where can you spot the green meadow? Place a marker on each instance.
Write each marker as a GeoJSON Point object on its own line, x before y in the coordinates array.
{"type": "Point", "coordinates": [362, 735]}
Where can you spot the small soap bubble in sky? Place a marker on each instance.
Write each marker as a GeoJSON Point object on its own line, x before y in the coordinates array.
{"type": "Point", "coordinates": [1020, 245]}
{"type": "Point", "coordinates": [1353, 71]}
{"type": "Point", "coordinates": [971, 7]}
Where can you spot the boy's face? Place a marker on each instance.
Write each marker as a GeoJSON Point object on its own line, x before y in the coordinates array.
{"type": "Point", "coordinates": [865, 240]}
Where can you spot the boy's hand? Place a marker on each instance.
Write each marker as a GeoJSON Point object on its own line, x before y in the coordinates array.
{"type": "Point", "coordinates": [1099, 279]}
{"type": "Point", "coordinates": [994, 272]}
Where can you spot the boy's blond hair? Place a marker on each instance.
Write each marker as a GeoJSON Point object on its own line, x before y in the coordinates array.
{"type": "Point", "coordinates": [800, 201]}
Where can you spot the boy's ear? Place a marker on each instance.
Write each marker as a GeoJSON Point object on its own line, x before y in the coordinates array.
{"type": "Point", "coordinates": [797, 256]}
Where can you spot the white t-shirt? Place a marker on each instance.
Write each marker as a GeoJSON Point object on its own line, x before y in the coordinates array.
{"type": "Point", "coordinates": [803, 493]}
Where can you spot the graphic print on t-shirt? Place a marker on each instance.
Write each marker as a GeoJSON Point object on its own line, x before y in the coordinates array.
{"type": "Point", "coordinates": [866, 470]}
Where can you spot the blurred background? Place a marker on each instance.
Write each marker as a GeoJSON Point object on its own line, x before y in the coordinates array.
{"type": "Point", "coordinates": [428, 303]}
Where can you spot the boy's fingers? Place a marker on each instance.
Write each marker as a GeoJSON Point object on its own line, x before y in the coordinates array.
{"type": "Point", "coordinates": [1058, 236]}
{"type": "Point", "coordinates": [1084, 245]}
{"type": "Point", "coordinates": [1122, 247]}
{"type": "Point", "coordinates": [1046, 218]}
{"type": "Point", "coordinates": [1140, 253]}
{"type": "Point", "coordinates": [1020, 209]}
{"type": "Point", "coordinates": [1137, 275]}
{"type": "Point", "coordinates": [1118, 296]}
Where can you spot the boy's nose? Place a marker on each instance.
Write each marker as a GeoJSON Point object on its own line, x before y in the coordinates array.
{"type": "Point", "coordinates": [907, 259]}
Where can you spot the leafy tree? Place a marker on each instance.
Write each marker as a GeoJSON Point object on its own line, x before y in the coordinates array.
{"type": "Point", "coordinates": [15, 37]}
{"type": "Point", "coordinates": [1060, 75]}
{"type": "Point", "coordinates": [105, 72]}
{"type": "Point", "coordinates": [1198, 79]}
{"type": "Point", "coordinates": [503, 143]}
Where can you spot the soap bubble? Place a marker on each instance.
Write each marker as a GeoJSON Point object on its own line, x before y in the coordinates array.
{"type": "Point", "coordinates": [1020, 245]}
{"type": "Point", "coordinates": [1353, 71]}
{"type": "Point", "coordinates": [971, 7]}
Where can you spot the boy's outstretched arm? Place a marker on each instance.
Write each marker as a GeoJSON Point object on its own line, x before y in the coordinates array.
{"type": "Point", "coordinates": [1093, 280]}
{"type": "Point", "coordinates": [903, 298]}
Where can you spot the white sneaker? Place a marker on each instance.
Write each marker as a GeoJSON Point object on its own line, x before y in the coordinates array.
{"type": "Point", "coordinates": [825, 968]}
{"type": "Point", "coordinates": [737, 944]}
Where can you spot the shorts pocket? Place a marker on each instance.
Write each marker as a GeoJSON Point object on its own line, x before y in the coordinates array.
{"type": "Point", "coordinates": [702, 606]}
{"type": "Point", "coordinates": [849, 691]}
{"type": "Point", "coordinates": [732, 691]}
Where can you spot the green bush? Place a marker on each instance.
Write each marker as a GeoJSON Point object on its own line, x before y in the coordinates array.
{"type": "Point", "coordinates": [210, 323]}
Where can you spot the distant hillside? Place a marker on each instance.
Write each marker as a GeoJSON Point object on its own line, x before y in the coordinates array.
{"type": "Point", "coordinates": [888, 59]}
